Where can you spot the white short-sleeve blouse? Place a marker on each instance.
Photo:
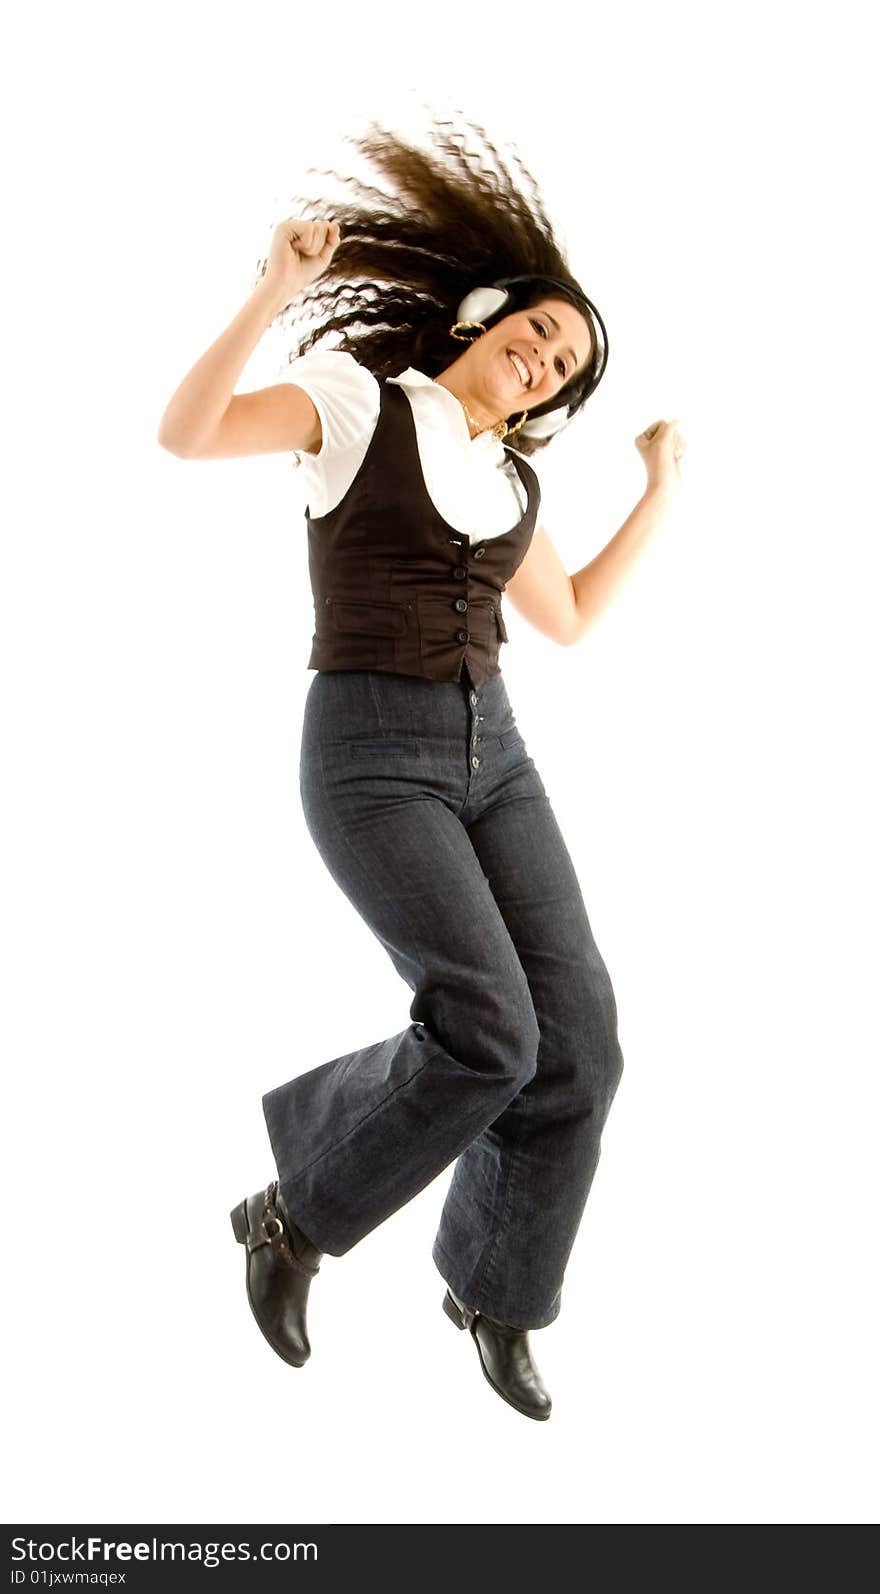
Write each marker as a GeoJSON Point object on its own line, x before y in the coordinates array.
{"type": "Point", "coordinates": [472, 482]}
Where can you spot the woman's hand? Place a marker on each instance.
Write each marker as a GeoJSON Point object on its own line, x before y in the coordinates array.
{"type": "Point", "coordinates": [662, 446]}
{"type": "Point", "coordinates": [300, 250]}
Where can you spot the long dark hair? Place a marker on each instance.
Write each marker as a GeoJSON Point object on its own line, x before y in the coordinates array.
{"type": "Point", "coordinates": [406, 259]}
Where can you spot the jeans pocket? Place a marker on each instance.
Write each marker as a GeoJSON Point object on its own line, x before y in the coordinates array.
{"type": "Point", "coordinates": [383, 747]}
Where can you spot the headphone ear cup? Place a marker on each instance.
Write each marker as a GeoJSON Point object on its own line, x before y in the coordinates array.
{"type": "Point", "coordinates": [481, 303]}
{"type": "Point", "coordinates": [546, 425]}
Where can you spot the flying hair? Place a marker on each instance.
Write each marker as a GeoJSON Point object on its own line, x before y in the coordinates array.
{"type": "Point", "coordinates": [449, 220]}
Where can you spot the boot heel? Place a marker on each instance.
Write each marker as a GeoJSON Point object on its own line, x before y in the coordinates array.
{"type": "Point", "coordinates": [238, 1215]}
{"type": "Point", "coordinates": [452, 1311]}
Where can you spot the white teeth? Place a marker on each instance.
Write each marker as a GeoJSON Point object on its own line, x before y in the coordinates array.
{"type": "Point", "coordinates": [519, 368]}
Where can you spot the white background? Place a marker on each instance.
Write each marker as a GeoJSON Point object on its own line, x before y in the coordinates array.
{"type": "Point", "coordinates": [169, 928]}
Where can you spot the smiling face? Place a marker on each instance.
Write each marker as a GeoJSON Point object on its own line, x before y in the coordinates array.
{"type": "Point", "coordinates": [526, 357]}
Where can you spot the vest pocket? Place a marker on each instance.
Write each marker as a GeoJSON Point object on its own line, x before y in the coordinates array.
{"type": "Point", "coordinates": [370, 617]}
{"type": "Point", "coordinates": [502, 628]}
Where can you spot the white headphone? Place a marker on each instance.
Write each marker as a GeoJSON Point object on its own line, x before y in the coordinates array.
{"type": "Point", "coordinates": [487, 303]}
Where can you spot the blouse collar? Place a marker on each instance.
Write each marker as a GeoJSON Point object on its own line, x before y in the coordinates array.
{"type": "Point", "coordinates": [486, 441]}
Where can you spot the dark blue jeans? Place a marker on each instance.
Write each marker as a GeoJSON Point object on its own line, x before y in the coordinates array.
{"type": "Point", "coordinates": [430, 815]}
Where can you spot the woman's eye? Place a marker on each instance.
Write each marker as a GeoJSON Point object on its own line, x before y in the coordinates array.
{"type": "Point", "coordinates": [540, 327]}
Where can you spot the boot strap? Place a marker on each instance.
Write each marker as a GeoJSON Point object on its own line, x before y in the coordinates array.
{"type": "Point", "coordinates": [271, 1231]}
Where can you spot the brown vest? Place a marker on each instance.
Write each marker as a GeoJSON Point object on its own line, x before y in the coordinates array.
{"type": "Point", "coordinates": [396, 588]}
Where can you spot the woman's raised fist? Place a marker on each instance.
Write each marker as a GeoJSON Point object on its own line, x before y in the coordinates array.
{"type": "Point", "coordinates": [299, 251]}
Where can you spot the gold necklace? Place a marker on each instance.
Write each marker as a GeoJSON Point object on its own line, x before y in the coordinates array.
{"type": "Point", "coordinates": [499, 430]}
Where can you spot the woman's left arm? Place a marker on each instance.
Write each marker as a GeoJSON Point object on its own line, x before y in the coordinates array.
{"type": "Point", "coordinates": [563, 606]}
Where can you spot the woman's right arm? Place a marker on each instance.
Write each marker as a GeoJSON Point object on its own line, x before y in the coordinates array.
{"type": "Point", "coordinates": [204, 419]}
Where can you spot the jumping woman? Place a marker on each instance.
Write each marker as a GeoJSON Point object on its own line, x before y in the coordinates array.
{"type": "Point", "coordinates": [461, 345]}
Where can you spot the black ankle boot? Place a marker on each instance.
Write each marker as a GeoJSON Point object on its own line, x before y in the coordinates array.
{"type": "Point", "coordinates": [505, 1358]}
{"type": "Point", "coordinates": [281, 1263]}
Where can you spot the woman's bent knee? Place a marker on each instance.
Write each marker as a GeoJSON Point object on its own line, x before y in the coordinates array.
{"type": "Point", "coordinates": [510, 1054]}
{"type": "Point", "coordinates": [598, 1063]}
{"type": "Point", "coordinates": [523, 1049]}
{"type": "Point", "coordinates": [483, 1014]}
{"type": "Point", "coordinates": [517, 1035]}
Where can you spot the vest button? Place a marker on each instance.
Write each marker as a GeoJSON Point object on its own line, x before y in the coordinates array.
{"type": "Point", "coordinates": [478, 553]}
{"type": "Point", "coordinates": [462, 636]}
{"type": "Point", "coordinates": [459, 572]}
{"type": "Point", "coordinates": [461, 604]}
{"type": "Point", "coordinates": [475, 762]}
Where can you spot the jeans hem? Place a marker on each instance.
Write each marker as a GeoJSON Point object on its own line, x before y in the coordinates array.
{"type": "Point", "coordinates": [446, 1268]}
{"type": "Point", "coordinates": [301, 1217]}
